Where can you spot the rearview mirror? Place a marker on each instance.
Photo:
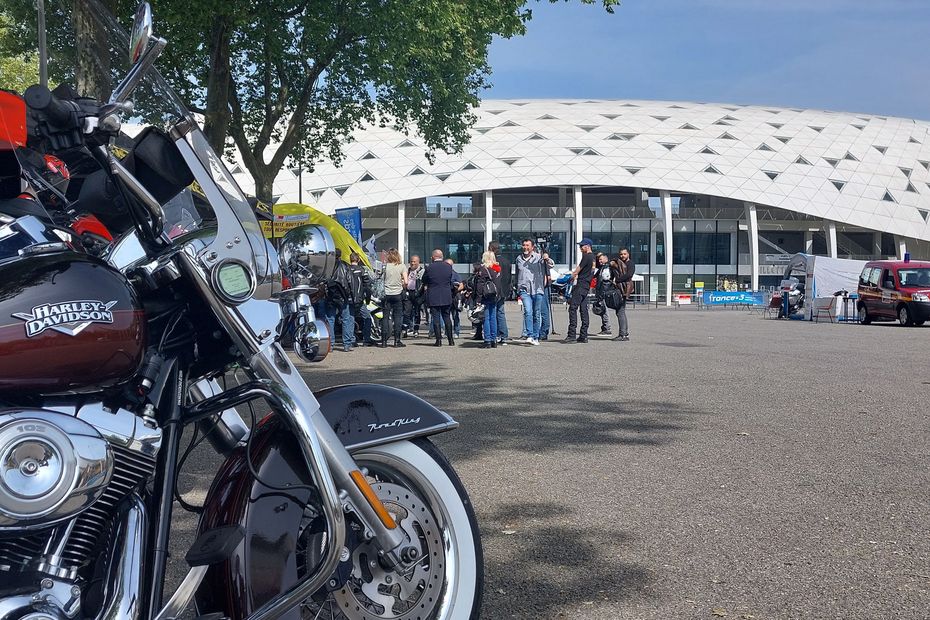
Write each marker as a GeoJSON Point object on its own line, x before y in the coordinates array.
{"type": "Point", "coordinates": [141, 31]}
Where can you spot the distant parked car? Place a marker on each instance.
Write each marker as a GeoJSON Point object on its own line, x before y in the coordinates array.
{"type": "Point", "coordinates": [895, 290]}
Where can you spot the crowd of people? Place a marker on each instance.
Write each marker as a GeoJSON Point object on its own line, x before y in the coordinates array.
{"type": "Point", "coordinates": [395, 303]}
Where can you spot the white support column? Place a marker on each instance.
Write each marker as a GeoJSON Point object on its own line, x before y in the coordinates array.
{"type": "Point", "coordinates": [831, 239]}
{"type": "Point", "coordinates": [488, 218]}
{"type": "Point", "coordinates": [808, 242]}
{"type": "Point", "coordinates": [752, 219]}
{"type": "Point", "coordinates": [902, 246]}
{"type": "Point", "coordinates": [666, 199]}
{"type": "Point", "coordinates": [579, 220]}
{"type": "Point", "coordinates": [402, 230]}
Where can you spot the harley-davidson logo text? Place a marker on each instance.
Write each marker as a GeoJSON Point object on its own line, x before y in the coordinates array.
{"type": "Point", "coordinates": [69, 317]}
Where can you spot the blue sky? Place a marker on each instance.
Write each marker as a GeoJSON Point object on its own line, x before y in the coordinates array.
{"type": "Point", "coordinates": [843, 55]}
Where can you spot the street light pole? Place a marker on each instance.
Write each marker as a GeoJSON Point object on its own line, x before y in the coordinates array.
{"type": "Point", "coordinates": [43, 51]}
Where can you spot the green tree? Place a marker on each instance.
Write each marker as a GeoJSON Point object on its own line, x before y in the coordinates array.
{"type": "Point", "coordinates": [290, 80]}
{"type": "Point", "coordinates": [20, 70]}
{"type": "Point", "coordinates": [304, 75]}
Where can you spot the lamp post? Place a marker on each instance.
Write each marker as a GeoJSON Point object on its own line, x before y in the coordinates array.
{"type": "Point", "coordinates": [43, 52]}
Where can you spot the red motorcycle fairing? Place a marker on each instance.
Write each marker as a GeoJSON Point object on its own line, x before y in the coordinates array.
{"type": "Point", "coordinates": [268, 560]}
{"type": "Point", "coordinates": [12, 120]}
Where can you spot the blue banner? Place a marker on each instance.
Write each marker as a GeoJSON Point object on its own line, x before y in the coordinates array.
{"type": "Point", "coordinates": [720, 298]}
{"type": "Point", "coordinates": [351, 220]}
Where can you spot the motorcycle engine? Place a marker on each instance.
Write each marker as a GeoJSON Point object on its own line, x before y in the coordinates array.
{"type": "Point", "coordinates": [63, 475]}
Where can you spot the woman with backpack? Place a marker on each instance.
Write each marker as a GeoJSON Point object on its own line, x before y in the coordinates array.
{"type": "Point", "coordinates": [487, 289]}
{"type": "Point", "coordinates": [603, 287]}
{"type": "Point", "coordinates": [395, 277]}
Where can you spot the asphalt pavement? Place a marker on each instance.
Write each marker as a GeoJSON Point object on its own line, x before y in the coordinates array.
{"type": "Point", "coordinates": [718, 465]}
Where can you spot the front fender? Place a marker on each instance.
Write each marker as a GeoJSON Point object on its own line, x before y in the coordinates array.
{"type": "Point", "coordinates": [365, 414]}
{"type": "Point", "coordinates": [266, 563]}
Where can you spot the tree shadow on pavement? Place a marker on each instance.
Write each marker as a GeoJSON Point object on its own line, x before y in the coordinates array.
{"type": "Point", "coordinates": [542, 566]}
{"type": "Point", "coordinates": [496, 417]}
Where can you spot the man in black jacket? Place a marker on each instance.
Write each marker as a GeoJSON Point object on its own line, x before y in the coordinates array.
{"type": "Point", "coordinates": [622, 271]}
{"type": "Point", "coordinates": [340, 292]}
{"type": "Point", "coordinates": [503, 334]}
{"type": "Point", "coordinates": [581, 286]}
{"type": "Point", "coordinates": [437, 280]}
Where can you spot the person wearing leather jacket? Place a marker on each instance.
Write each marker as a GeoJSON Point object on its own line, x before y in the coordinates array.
{"type": "Point", "coordinates": [622, 270]}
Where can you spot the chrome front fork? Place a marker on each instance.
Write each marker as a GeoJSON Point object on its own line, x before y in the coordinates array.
{"type": "Point", "coordinates": [274, 365]}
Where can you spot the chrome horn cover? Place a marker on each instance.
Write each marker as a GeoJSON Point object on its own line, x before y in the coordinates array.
{"type": "Point", "coordinates": [311, 342]}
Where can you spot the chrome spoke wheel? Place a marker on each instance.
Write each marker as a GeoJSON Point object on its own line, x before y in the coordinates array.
{"type": "Point", "coordinates": [375, 593]}
{"type": "Point", "coordinates": [426, 500]}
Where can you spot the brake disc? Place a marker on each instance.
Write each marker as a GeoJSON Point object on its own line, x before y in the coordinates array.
{"type": "Point", "coordinates": [373, 593]}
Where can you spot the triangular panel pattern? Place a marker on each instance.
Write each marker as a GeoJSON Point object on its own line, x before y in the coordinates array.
{"type": "Point", "coordinates": [846, 168]}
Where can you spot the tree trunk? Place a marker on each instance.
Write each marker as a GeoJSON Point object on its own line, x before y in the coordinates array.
{"type": "Point", "coordinates": [216, 115]}
{"type": "Point", "coordinates": [92, 64]}
{"type": "Point", "coordinates": [264, 183]}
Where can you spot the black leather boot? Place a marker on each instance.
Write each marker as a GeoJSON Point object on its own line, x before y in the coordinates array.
{"type": "Point", "coordinates": [449, 334]}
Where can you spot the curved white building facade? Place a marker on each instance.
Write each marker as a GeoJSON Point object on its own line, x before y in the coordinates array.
{"type": "Point", "coordinates": [778, 180]}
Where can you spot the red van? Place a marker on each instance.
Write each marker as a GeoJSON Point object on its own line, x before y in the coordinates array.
{"type": "Point", "coordinates": [895, 290]}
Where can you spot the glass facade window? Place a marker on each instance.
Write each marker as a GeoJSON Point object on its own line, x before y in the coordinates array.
{"type": "Point", "coordinates": [711, 248]}
{"type": "Point", "coordinates": [639, 247]}
{"type": "Point", "coordinates": [683, 248]}
{"type": "Point", "coordinates": [781, 242]}
{"type": "Point", "coordinates": [465, 247]}
{"type": "Point", "coordinates": [510, 235]}
{"type": "Point", "coordinates": [819, 245]}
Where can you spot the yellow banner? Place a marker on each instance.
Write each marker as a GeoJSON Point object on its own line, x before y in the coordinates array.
{"type": "Point", "coordinates": [284, 218]}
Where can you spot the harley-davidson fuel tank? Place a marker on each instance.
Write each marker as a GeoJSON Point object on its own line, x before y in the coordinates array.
{"type": "Point", "coordinates": [68, 323]}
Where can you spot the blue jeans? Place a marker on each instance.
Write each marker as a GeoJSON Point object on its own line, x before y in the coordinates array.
{"type": "Point", "coordinates": [502, 320]}
{"type": "Point", "coordinates": [544, 327]}
{"type": "Point", "coordinates": [456, 323]}
{"type": "Point", "coordinates": [347, 319]}
{"type": "Point", "coordinates": [325, 311]}
{"type": "Point", "coordinates": [490, 319]}
{"type": "Point", "coordinates": [532, 313]}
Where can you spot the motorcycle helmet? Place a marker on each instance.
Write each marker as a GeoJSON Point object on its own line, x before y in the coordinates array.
{"type": "Point", "coordinates": [475, 313]}
{"type": "Point", "coordinates": [599, 308]}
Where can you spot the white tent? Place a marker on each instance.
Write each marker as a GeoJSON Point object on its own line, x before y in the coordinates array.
{"type": "Point", "coordinates": [825, 276]}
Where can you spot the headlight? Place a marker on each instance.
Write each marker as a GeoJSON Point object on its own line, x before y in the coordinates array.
{"type": "Point", "coordinates": [307, 255]}
{"type": "Point", "coordinates": [920, 297]}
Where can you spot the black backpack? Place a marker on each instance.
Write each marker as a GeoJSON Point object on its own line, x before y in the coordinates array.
{"type": "Point", "coordinates": [357, 287]}
{"type": "Point", "coordinates": [487, 288]}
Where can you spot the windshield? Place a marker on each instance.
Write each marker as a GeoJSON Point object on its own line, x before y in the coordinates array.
{"type": "Point", "coordinates": [89, 49]}
{"type": "Point", "coordinates": [915, 277]}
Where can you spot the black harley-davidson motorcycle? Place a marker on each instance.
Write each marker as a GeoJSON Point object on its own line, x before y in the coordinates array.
{"type": "Point", "coordinates": [112, 346]}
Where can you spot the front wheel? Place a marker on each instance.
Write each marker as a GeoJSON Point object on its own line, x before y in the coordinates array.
{"type": "Point", "coordinates": [904, 316]}
{"type": "Point", "coordinates": [427, 500]}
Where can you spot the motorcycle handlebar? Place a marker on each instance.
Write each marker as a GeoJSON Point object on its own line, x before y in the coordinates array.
{"type": "Point", "coordinates": [59, 113]}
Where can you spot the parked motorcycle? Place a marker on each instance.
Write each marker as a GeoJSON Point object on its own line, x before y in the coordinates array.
{"type": "Point", "coordinates": [334, 505]}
